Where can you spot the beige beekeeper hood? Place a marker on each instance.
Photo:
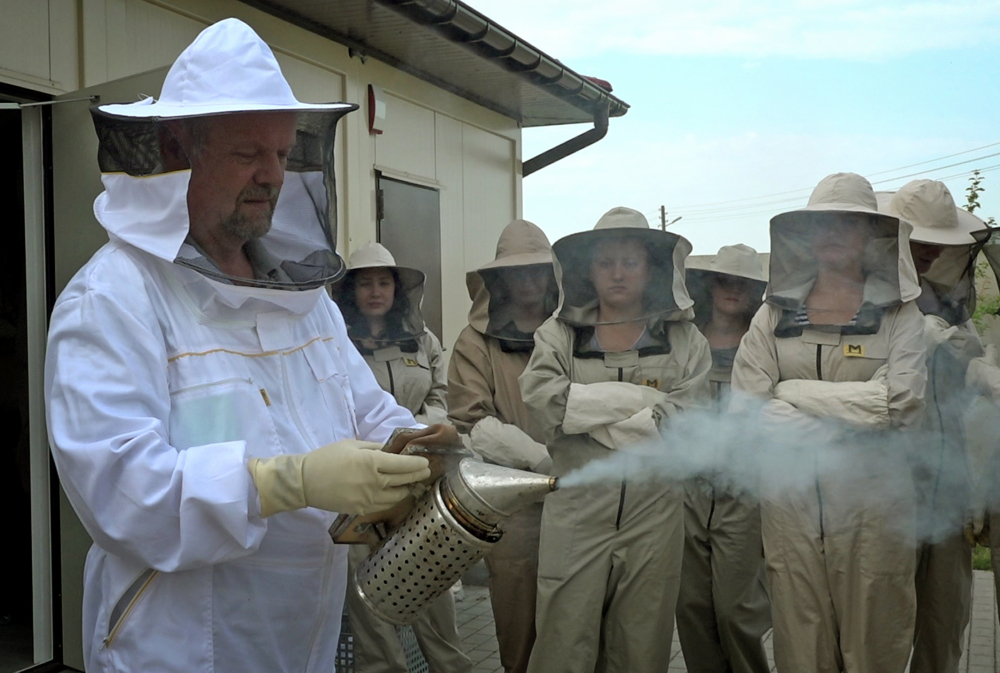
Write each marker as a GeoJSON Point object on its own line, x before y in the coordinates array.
{"type": "Point", "coordinates": [228, 69]}
{"type": "Point", "coordinates": [409, 318]}
{"type": "Point", "coordinates": [930, 208]}
{"type": "Point", "coordinates": [666, 295]}
{"type": "Point", "coordinates": [740, 261]}
{"type": "Point", "coordinates": [891, 277]}
{"type": "Point", "coordinates": [521, 244]}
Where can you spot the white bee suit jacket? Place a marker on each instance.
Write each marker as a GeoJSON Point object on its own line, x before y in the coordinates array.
{"type": "Point", "coordinates": [160, 385]}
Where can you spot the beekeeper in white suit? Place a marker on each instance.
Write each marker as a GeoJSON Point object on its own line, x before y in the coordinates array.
{"type": "Point", "coordinates": [207, 412]}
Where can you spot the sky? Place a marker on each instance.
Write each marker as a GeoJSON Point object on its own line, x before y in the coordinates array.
{"type": "Point", "coordinates": [738, 109]}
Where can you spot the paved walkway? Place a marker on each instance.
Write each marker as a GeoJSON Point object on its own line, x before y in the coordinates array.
{"type": "Point", "coordinates": [981, 651]}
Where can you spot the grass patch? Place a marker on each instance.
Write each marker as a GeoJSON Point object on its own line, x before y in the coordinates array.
{"type": "Point", "coordinates": [981, 558]}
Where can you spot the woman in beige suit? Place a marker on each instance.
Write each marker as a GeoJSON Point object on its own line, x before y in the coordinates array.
{"type": "Point", "coordinates": [837, 355]}
{"type": "Point", "coordinates": [617, 360]}
{"type": "Point", "coordinates": [723, 609]}
{"type": "Point", "coordinates": [381, 306]}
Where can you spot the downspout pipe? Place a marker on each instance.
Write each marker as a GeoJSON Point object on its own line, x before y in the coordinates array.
{"type": "Point", "coordinates": [575, 144]}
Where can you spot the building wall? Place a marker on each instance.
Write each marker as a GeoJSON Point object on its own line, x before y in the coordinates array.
{"type": "Point", "coordinates": [432, 137]}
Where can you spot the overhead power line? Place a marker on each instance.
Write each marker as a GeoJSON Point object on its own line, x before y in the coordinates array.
{"type": "Point", "coordinates": [696, 206]}
{"type": "Point", "coordinates": [769, 212]}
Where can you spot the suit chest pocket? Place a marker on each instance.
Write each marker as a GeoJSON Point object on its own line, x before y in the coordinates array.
{"type": "Point", "coordinates": [216, 403]}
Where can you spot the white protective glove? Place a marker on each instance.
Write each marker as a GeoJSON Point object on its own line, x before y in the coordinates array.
{"type": "Point", "coordinates": [977, 528]}
{"type": "Point", "coordinates": [639, 431]}
{"type": "Point", "coordinates": [860, 404]}
{"type": "Point", "coordinates": [591, 405]}
{"type": "Point", "coordinates": [983, 376]}
{"type": "Point", "coordinates": [349, 476]}
{"type": "Point", "coordinates": [936, 332]}
{"type": "Point", "coordinates": [508, 445]}
{"type": "Point", "coordinates": [963, 344]}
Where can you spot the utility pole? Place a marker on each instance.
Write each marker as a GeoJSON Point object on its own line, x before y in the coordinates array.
{"type": "Point", "coordinates": [663, 219]}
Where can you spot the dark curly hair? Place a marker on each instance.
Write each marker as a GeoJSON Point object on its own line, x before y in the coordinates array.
{"type": "Point", "coordinates": [357, 323]}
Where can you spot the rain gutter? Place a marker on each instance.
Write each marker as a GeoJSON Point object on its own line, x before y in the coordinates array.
{"type": "Point", "coordinates": [575, 144]}
{"type": "Point", "coordinates": [460, 23]}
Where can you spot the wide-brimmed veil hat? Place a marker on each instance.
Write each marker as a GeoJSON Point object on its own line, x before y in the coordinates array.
{"type": "Point", "coordinates": [739, 261]}
{"type": "Point", "coordinates": [936, 220]}
{"type": "Point", "coordinates": [890, 276]}
{"type": "Point", "coordinates": [227, 70]}
{"type": "Point", "coordinates": [376, 256]}
{"type": "Point", "coordinates": [521, 244]}
{"type": "Point", "coordinates": [666, 296]}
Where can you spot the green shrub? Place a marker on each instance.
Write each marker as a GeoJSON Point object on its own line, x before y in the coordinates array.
{"type": "Point", "coordinates": [981, 558]}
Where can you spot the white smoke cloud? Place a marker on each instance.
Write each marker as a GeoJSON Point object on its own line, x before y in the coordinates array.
{"type": "Point", "coordinates": [749, 454]}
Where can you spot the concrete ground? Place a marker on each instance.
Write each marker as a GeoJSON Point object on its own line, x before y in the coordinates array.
{"type": "Point", "coordinates": [981, 651]}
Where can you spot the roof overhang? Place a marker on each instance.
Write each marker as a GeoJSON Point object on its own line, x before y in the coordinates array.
{"type": "Point", "coordinates": [451, 45]}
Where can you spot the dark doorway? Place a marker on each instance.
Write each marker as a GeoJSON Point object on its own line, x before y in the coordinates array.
{"type": "Point", "coordinates": [16, 638]}
{"type": "Point", "coordinates": [409, 227]}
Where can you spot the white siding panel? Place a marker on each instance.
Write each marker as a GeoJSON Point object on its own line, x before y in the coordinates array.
{"type": "Point", "coordinates": [310, 83]}
{"type": "Point", "coordinates": [24, 38]}
{"type": "Point", "coordinates": [407, 145]}
{"type": "Point", "coordinates": [455, 302]}
{"type": "Point", "coordinates": [64, 32]}
{"type": "Point", "coordinates": [143, 37]}
{"type": "Point", "coordinates": [490, 198]}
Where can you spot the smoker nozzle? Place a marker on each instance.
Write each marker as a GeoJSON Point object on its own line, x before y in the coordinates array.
{"type": "Point", "coordinates": [492, 493]}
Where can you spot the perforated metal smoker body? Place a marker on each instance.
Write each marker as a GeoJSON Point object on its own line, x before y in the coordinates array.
{"type": "Point", "coordinates": [428, 553]}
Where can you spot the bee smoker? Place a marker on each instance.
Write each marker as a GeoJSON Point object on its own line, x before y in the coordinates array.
{"type": "Point", "coordinates": [451, 526]}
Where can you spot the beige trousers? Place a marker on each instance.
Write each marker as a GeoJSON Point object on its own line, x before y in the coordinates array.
{"type": "Point", "coordinates": [513, 566]}
{"type": "Point", "coordinates": [723, 609]}
{"type": "Point", "coordinates": [608, 575]}
{"type": "Point", "coordinates": [376, 646]}
{"type": "Point", "coordinates": [944, 602]}
{"type": "Point", "coordinates": [841, 565]}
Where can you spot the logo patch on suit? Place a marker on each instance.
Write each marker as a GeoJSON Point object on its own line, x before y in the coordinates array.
{"type": "Point", "coordinates": [652, 383]}
{"type": "Point", "coordinates": [854, 350]}
{"type": "Point", "coordinates": [411, 362]}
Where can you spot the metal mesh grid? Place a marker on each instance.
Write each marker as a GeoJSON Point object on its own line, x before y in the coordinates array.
{"type": "Point", "coordinates": [426, 555]}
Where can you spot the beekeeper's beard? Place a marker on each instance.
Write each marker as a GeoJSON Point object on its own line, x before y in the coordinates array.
{"type": "Point", "coordinates": [247, 222]}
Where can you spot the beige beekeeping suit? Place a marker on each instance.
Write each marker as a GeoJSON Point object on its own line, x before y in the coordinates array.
{"type": "Point", "coordinates": [839, 541]}
{"type": "Point", "coordinates": [485, 403]}
{"type": "Point", "coordinates": [610, 557]}
{"type": "Point", "coordinates": [409, 366]}
{"type": "Point", "coordinates": [723, 609]}
{"type": "Point", "coordinates": [940, 458]}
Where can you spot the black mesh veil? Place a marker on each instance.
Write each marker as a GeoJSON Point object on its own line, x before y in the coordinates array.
{"type": "Point", "coordinates": [302, 239]}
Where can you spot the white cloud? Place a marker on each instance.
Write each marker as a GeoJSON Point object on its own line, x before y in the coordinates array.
{"type": "Point", "coordinates": [842, 29]}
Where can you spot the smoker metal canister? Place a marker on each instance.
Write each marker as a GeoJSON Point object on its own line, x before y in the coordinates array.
{"type": "Point", "coordinates": [428, 553]}
{"type": "Point", "coordinates": [451, 527]}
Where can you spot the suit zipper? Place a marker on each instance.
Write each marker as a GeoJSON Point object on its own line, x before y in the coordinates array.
{"type": "Point", "coordinates": [932, 377]}
{"type": "Point", "coordinates": [120, 612]}
{"type": "Point", "coordinates": [621, 497]}
{"type": "Point", "coordinates": [819, 492]}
